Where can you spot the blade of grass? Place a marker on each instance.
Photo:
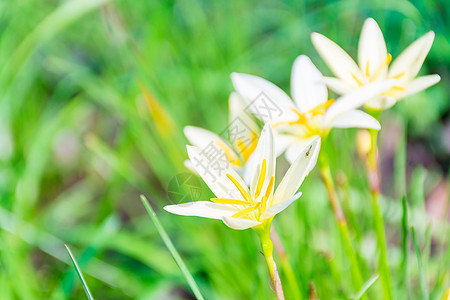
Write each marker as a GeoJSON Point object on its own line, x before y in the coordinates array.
{"type": "Point", "coordinates": [405, 248]}
{"type": "Point", "coordinates": [366, 286]}
{"type": "Point", "coordinates": [80, 275]}
{"type": "Point", "coordinates": [176, 256]}
{"type": "Point", "coordinates": [423, 283]}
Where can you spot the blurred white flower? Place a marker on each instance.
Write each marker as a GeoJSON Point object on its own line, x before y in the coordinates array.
{"type": "Point", "coordinates": [373, 65]}
{"type": "Point", "coordinates": [311, 113]}
{"type": "Point", "coordinates": [238, 206]}
{"type": "Point", "coordinates": [241, 133]}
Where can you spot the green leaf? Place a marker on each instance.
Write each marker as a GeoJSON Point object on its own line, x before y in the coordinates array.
{"type": "Point", "coordinates": [80, 275]}
{"type": "Point", "coordinates": [176, 256]}
{"type": "Point", "coordinates": [423, 283]}
{"type": "Point", "coordinates": [366, 286]}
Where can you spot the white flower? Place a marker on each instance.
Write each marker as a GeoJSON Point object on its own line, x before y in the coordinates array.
{"type": "Point", "coordinates": [242, 133]}
{"type": "Point", "coordinates": [238, 206]}
{"type": "Point", "coordinates": [373, 65]}
{"type": "Point", "coordinates": [311, 113]}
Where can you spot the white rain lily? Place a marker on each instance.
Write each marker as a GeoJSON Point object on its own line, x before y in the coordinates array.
{"type": "Point", "coordinates": [240, 206]}
{"type": "Point", "coordinates": [242, 133]}
{"type": "Point", "coordinates": [373, 65]}
{"type": "Point", "coordinates": [311, 113]}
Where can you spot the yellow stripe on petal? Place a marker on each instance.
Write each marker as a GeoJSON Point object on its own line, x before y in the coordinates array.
{"type": "Point", "coordinates": [229, 201]}
{"type": "Point", "coordinates": [399, 75]}
{"type": "Point", "coordinates": [383, 66]}
{"type": "Point", "coordinates": [243, 192]}
{"type": "Point", "coordinates": [246, 210]}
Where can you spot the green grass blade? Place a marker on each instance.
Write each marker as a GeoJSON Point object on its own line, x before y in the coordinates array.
{"type": "Point", "coordinates": [171, 247]}
{"type": "Point", "coordinates": [423, 283]}
{"type": "Point", "coordinates": [405, 234]}
{"type": "Point", "coordinates": [77, 268]}
{"type": "Point", "coordinates": [366, 286]}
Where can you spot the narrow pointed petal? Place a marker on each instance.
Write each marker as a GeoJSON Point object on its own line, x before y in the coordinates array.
{"type": "Point", "coordinates": [264, 152]}
{"type": "Point", "coordinates": [239, 224]}
{"type": "Point", "coordinates": [411, 59]}
{"type": "Point", "coordinates": [238, 111]}
{"type": "Point", "coordinates": [294, 150]}
{"type": "Point", "coordinates": [338, 86]}
{"type": "Point", "coordinates": [381, 103]}
{"type": "Point", "coordinates": [213, 167]}
{"type": "Point", "coordinates": [307, 84]}
{"type": "Point", "coordinates": [272, 211]}
{"type": "Point", "coordinates": [283, 142]}
{"type": "Point", "coordinates": [355, 119]}
{"type": "Point", "coordinates": [188, 164]}
{"type": "Point", "coordinates": [339, 62]}
{"type": "Point", "coordinates": [204, 209]}
{"type": "Point", "coordinates": [297, 172]}
{"type": "Point", "coordinates": [264, 99]}
{"type": "Point", "coordinates": [203, 138]}
{"type": "Point", "coordinates": [419, 84]}
{"type": "Point", "coordinates": [356, 98]}
{"type": "Point", "coordinates": [372, 47]}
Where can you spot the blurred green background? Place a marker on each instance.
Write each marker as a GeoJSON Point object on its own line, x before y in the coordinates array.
{"type": "Point", "coordinates": [93, 98]}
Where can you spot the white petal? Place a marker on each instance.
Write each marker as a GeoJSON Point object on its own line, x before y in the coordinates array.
{"type": "Point", "coordinates": [205, 209]}
{"type": "Point", "coordinates": [272, 211]}
{"type": "Point", "coordinates": [338, 86]}
{"type": "Point", "coordinates": [372, 47]}
{"type": "Point", "coordinates": [264, 151]}
{"type": "Point", "coordinates": [239, 224]}
{"type": "Point", "coordinates": [339, 62]}
{"type": "Point", "coordinates": [419, 84]}
{"type": "Point", "coordinates": [411, 59]}
{"type": "Point", "coordinates": [264, 99]}
{"type": "Point", "coordinates": [294, 150]}
{"type": "Point", "coordinates": [307, 84]}
{"type": "Point", "coordinates": [241, 121]}
{"type": "Point", "coordinates": [355, 119]}
{"type": "Point", "coordinates": [380, 103]}
{"type": "Point", "coordinates": [188, 164]}
{"type": "Point", "coordinates": [213, 167]}
{"type": "Point", "coordinates": [356, 98]}
{"type": "Point", "coordinates": [297, 173]}
{"type": "Point", "coordinates": [282, 142]}
{"type": "Point", "coordinates": [248, 169]}
{"type": "Point", "coordinates": [203, 138]}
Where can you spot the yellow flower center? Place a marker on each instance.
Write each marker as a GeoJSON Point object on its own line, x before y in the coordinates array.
{"type": "Point", "coordinates": [370, 77]}
{"type": "Point", "coordinates": [311, 120]}
{"type": "Point", "coordinates": [251, 205]}
{"type": "Point", "coordinates": [246, 149]}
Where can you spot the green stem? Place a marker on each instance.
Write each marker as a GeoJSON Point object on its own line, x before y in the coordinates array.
{"type": "Point", "coordinates": [324, 166]}
{"type": "Point", "coordinates": [374, 179]}
{"type": "Point", "coordinates": [267, 246]}
{"type": "Point", "coordinates": [286, 265]}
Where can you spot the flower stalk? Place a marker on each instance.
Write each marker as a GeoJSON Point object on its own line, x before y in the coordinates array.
{"type": "Point", "coordinates": [327, 178]}
{"type": "Point", "coordinates": [263, 232]}
{"type": "Point", "coordinates": [286, 265]}
{"type": "Point", "coordinates": [374, 181]}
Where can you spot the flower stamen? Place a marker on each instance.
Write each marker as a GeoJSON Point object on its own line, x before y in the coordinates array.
{"type": "Point", "coordinates": [246, 210]}
{"type": "Point", "coordinates": [267, 194]}
{"type": "Point", "coordinates": [381, 67]}
{"type": "Point", "coordinates": [229, 201]}
{"type": "Point", "coordinates": [243, 192]}
{"type": "Point", "coordinates": [247, 149]}
{"type": "Point", "coordinates": [262, 176]}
